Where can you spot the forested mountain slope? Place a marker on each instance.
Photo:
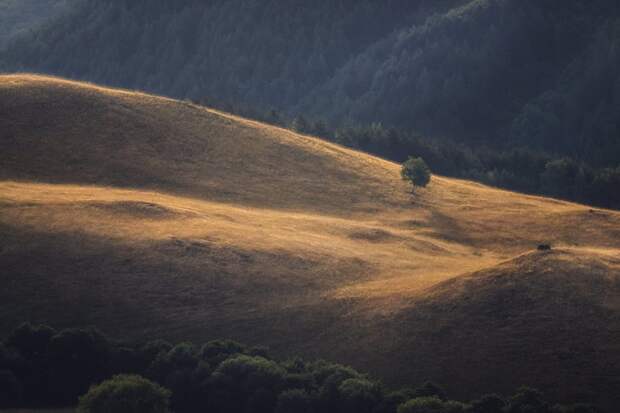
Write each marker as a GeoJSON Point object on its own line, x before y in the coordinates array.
{"type": "Point", "coordinates": [541, 74]}
{"type": "Point", "coordinates": [264, 52]}
{"type": "Point", "coordinates": [18, 17]}
{"type": "Point", "coordinates": [150, 217]}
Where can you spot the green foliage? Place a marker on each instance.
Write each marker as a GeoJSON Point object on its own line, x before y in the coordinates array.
{"type": "Point", "coordinates": [125, 394]}
{"type": "Point", "coordinates": [519, 169]}
{"type": "Point", "coordinates": [43, 367]}
{"type": "Point", "coordinates": [29, 340]}
{"type": "Point", "coordinates": [359, 395]}
{"type": "Point", "coordinates": [416, 171]}
{"type": "Point", "coordinates": [249, 372]}
{"type": "Point", "coordinates": [247, 383]}
{"type": "Point", "coordinates": [326, 373]}
{"type": "Point", "coordinates": [219, 350]}
{"type": "Point", "coordinates": [429, 389]}
{"type": "Point", "coordinates": [154, 348]}
{"type": "Point", "coordinates": [528, 400]}
{"type": "Point", "coordinates": [490, 403]}
{"type": "Point", "coordinates": [392, 400]}
{"type": "Point", "coordinates": [184, 372]}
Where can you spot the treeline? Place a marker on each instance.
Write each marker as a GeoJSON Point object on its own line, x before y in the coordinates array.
{"type": "Point", "coordinates": [520, 169]}
{"type": "Point", "coordinates": [543, 75]}
{"type": "Point", "coordinates": [42, 367]}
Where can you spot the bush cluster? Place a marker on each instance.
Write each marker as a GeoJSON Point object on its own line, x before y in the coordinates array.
{"type": "Point", "coordinates": [42, 367]}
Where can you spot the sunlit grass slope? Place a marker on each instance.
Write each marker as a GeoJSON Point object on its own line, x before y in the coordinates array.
{"type": "Point", "coordinates": [149, 217]}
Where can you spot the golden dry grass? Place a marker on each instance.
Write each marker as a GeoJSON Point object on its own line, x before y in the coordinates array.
{"type": "Point", "coordinates": [151, 217]}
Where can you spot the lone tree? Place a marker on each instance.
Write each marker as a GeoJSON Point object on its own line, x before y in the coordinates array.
{"type": "Point", "coordinates": [416, 171]}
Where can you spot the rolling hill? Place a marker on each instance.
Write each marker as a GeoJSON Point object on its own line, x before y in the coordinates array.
{"type": "Point", "coordinates": [150, 217]}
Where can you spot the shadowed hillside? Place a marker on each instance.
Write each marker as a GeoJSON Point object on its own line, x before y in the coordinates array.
{"type": "Point", "coordinates": [545, 317]}
{"type": "Point", "coordinates": [203, 225]}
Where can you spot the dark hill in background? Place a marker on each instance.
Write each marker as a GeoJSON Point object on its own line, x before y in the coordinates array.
{"type": "Point", "coordinates": [19, 17]}
{"type": "Point", "coordinates": [540, 74]}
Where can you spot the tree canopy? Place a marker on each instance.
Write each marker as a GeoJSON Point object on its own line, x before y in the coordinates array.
{"type": "Point", "coordinates": [416, 171]}
{"type": "Point", "coordinates": [125, 394]}
{"type": "Point", "coordinates": [43, 367]}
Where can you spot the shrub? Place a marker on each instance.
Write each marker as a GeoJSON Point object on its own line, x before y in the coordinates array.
{"type": "Point", "coordinates": [125, 394]}
{"type": "Point", "coordinates": [392, 400]}
{"type": "Point", "coordinates": [152, 349]}
{"type": "Point", "coordinates": [329, 377]}
{"type": "Point", "coordinates": [183, 372]}
{"type": "Point", "coordinates": [326, 373]}
{"type": "Point", "coordinates": [528, 400]}
{"type": "Point", "coordinates": [416, 171]}
{"type": "Point", "coordinates": [219, 350]}
{"type": "Point", "coordinates": [490, 403]}
{"type": "Point", "coordinates": [429, 389]}
{"type": "Point", "coordinates": [31, 341]}
{"type": "Point", "coordinates": [41, 367]}
{"type": "Point", "coordinates": [245, 383]}
{"type": "Point", "coordinates": [359, 395]}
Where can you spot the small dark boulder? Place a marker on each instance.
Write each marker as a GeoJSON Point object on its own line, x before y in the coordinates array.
{"type": "Point", "coordinates": [544, 247]}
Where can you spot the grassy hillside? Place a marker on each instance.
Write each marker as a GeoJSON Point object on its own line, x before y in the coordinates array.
{"type": "Point", "coordinates": [545, 317]}
{"type": "Point", "coordinates": [150, 217]}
